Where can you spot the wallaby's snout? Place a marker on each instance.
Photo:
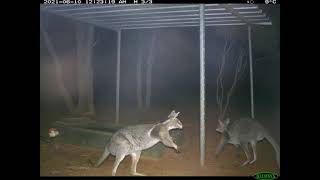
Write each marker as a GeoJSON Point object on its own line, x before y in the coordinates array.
{"type": "Point", "coordinates": [219, 130]}
{"type": "Point", "coordinates": [179, 123]}
{"type": "Point", "coordinates": [222, 126]}
{"type": "Point", "coordinates": [180, 126]}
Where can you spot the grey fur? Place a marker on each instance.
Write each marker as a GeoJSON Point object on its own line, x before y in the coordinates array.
{"type": "Point", "coordinates": [132, 140]}
{"type": "Point", "coordinates": [243, 132]}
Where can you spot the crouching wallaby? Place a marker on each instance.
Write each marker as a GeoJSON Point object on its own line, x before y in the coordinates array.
{"type": "Point", "coordinates": [132, 140]}
{"type": "Point", "coordinates": [242, 132]}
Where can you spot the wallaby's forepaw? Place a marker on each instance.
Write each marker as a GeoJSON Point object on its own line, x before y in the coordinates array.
{"type": "Point", "coordinates": [178, 150]}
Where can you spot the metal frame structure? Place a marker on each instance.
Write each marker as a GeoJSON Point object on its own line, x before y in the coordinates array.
{"type": "Point", "coordinates": [147, 16]}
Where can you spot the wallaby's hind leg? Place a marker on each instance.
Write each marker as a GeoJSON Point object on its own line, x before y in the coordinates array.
{"type": "Point", "coordinates": [119, 158]}
{"type": "Point", "coordinates": [135, 159]}
{"type": "Point", "coordinates": [254, 149]}
{"type": "Point", "coordinates": [246, 151]}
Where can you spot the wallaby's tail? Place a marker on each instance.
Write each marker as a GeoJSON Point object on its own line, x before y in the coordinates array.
{"type": "Point", "coordinates": [275, 146]}
{"type": "Point", "coordinates": [103, 157]}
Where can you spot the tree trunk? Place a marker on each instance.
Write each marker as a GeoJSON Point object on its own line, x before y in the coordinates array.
{"type": "Point", "coordinates": [91, 109]}
{"type": "Point", "coordinates": [59, 74]}
{"type": "Point", "coordinates": [139, 77]}
{"type": "Point", "coordinates": [84, 37]}
{"type": "Point", "coordinates": [149, 69]}
{"type": "Point", "coordinates": [80, 75]}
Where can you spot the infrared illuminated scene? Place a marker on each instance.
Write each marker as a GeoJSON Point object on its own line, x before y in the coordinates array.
{"type": "Point", "coordinates": [152, 89]}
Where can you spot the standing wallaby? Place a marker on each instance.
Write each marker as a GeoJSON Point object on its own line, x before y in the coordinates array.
{"type": "Point", "coordinates": [242, 132]}
{"type": "Point", "coordinates": [132, 140]}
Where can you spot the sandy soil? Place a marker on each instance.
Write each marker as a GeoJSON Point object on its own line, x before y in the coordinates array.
{"type": "Point", "coordinates": [71, 160]}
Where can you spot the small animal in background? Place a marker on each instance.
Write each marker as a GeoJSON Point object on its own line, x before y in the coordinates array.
{"type": "Point", "coordinates": [131, 140]}
{"type": "Point", "coordinates": [51, 139]}
{"type": "Point", "coordinates": [53, 132]}
{"type": "Point", "coordinates": [243, 132]}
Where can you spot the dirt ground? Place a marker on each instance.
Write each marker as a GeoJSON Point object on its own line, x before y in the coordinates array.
{"type": "Point", "coordinates": [71, 160]}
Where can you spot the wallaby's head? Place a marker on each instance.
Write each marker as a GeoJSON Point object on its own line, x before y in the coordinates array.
{"type": "Point", "coordinates": [222, 126]}
{"type": "Point", "coordinates": [173, 122]}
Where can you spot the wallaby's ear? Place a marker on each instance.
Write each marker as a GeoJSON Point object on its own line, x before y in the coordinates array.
{"type": "Point", "coordinates": [172, 114]}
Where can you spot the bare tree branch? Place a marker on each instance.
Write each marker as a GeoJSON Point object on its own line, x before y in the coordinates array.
{"type": "Point", "coordinates": [243, 64]}
{"type": "Point", "coordinates": [95, 42]}
{"type": "Point", "coordinates": [245, 61]}
{"type": "Point", "coordinates": [240, 64]}
{"type": "Point", "coordinates": [230, 92]}
{"type": "Point", "coordinates": [150, 62]}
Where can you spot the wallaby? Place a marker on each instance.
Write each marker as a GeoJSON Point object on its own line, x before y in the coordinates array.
{"type": "Point", "coordinates": [242, 132]}
{"type": "Point", "coordinates": [131, 140]}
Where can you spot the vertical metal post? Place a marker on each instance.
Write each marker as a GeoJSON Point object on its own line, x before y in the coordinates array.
{"type": "Point", "coordinates": [251, 72]}
{"type": "Point", "coordinates": [118, 75]}
{"type": "Point", "coordinates": [202, 85]}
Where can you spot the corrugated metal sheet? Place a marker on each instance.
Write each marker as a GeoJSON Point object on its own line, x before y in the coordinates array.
{"type": "Point", "coordinates": [140, 16]}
